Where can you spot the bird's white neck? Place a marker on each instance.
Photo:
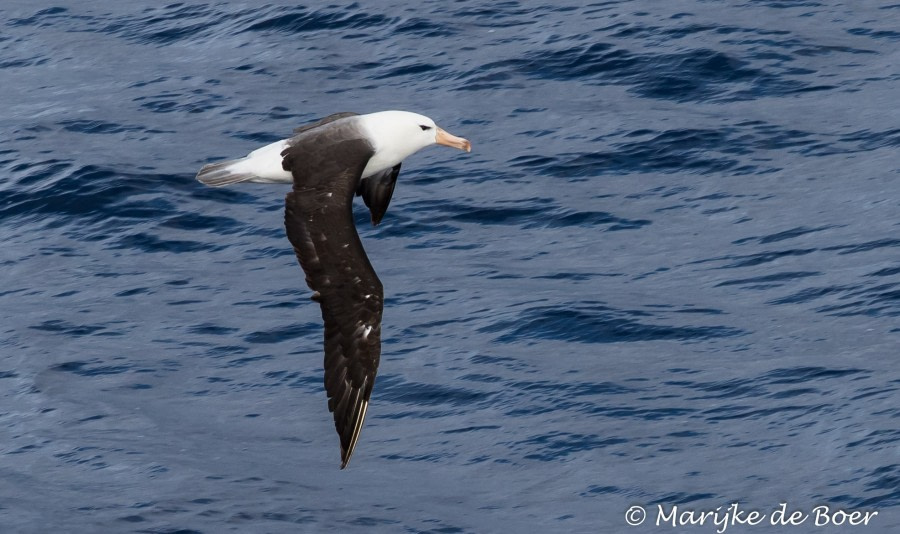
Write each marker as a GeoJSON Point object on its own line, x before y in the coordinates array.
{"type": "Point", "coordinates": [394, 136]}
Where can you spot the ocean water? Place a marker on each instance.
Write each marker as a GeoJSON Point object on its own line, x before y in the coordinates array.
{"type": "Point", "coordinates": [667, 276]}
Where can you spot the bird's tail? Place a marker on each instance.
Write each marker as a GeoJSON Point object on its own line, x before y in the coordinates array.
{"type": "Point", "coordinates": [224, 173]}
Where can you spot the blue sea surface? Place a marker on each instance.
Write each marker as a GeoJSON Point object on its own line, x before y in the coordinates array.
{"type": "Point", "coordinates": [668, 274]}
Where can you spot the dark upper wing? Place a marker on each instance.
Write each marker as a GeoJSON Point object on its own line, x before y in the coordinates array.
{"type": "Point", "coordinates": [376, 191]}
{"type": "Point", "coordinates": [319, 223]}
{"type": "Point", "coordinates": [331, 118]}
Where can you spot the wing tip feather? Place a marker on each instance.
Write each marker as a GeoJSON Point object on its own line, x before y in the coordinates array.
{"type": "Point", "coordinates": [347, 452]}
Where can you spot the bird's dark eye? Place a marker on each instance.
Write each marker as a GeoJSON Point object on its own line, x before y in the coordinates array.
{"type": "Point", "coordinates": [424, 127]}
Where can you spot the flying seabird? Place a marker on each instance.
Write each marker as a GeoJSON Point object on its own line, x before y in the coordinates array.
{"type": "Point", "coordinates": [329, 162]}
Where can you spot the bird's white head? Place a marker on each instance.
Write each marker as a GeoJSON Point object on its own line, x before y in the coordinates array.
{"type": "Point", "coordinates": [398, 134]}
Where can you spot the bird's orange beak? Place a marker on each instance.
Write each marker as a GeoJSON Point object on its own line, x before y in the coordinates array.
{"type": "Point", "coordinates": [447, 139]}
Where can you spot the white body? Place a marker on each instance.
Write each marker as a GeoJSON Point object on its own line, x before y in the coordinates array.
{"type": "Point", "coordinates": [395, 135]}
{"type": "Point", "coordinates": [264, 164]}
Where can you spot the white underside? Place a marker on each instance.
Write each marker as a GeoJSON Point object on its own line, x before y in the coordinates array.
{"type": "Point", "coordinates": [394, 135]}
{"type": "Point", "coordinates": [265, 164]}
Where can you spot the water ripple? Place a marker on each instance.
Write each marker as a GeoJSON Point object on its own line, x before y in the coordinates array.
{"type": "Point", "coordinates": [597, 323]}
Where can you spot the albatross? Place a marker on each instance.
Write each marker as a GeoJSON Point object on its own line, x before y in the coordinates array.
{"type": "Point", "coordinates": [329, 162]}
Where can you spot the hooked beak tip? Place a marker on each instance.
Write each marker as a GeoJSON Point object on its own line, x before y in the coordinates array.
{"type": "Point", "coordinates": [448, 139]}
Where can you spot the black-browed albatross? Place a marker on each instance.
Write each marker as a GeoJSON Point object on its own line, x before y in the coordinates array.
{"type": "Point", "coordinates": [328, 162]}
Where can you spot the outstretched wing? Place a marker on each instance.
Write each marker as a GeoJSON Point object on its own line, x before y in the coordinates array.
{"type": "Point", "coordinates": [319, 223]}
